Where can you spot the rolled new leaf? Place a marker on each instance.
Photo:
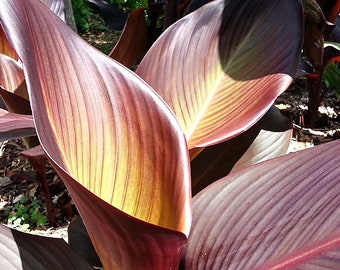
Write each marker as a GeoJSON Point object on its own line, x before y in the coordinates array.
{"type": "Point", "coordinates": [271, 213]}
{"type": "Point", "coordinates": [221, 67]}
{"type": "Point", "coordinates": [117, 146]}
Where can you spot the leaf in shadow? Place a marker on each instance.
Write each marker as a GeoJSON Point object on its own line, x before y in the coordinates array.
{"type": "Point", "coordinates": [26, 251]}
{"type": "Point", "coordinates": [268, 138]}
{"type": "Point", "coordinates": [133, 42]}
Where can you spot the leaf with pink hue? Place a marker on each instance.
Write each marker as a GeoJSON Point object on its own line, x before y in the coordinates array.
{"type": "Point", "coordinates": [25, 251]}
{"type": "Point", "coordinates": [57, 6]}
{"type": "Point", "coordinates": [133, 42]}
{"type": "Point", "coordinates": [221, 67]}
{"type": "Point", "coordinates": [117, 146]}
{"type": "Point", "coordinates": [11, 73]}
{"type": "Point", "coordinates": [270, 213]}
{"type": "Point", "coordinates": [268, 138]}
{"type": "Point", "coordinates": [14, 125]}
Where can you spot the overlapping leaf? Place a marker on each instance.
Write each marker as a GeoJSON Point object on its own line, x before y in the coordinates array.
{"type": "Point", "coordinates": [24, 251]}
{"type": "Point", "coordinates": [268, 138]}
{"type": "Point", "coordinates": [14, 125]}
{"type": "Point", "coordinates": [106, 129]}
{"type": "Point", "coordinates": [272, 213]}
{"type": "Point", "coordinates": [220, 68]}
{"type": "Point", "coordinates": [133, 41]}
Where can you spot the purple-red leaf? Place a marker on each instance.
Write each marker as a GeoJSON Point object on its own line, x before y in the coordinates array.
{"type": "Point", "coordinates": [268, 212]}
{"type": "Point", "coordinates": [109, 136]}
{"type": "Point", "coordinates": [25, 251]}
{"type": "Point", "coordinates": [14, 126]}
{"type": "Point", "coordinates": [11, 73]}
{"type": "Point", "coordinates": [221, 67]}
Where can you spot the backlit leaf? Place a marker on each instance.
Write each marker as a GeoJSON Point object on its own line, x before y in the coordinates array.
{"type": "Point", "coordinates": [105, 128]}
{"type": "Point", "coordinates": [221, 67]}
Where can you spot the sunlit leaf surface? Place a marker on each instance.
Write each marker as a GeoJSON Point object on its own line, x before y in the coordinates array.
{"type": "Point", "coordinates": [220, 68]}
{"type": "Point", "coordinates": [105, 128]}
{"type": "Point", "coordinates": [271, 213]}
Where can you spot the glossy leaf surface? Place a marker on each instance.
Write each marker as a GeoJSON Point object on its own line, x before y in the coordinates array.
{"type": "Point", "coordinates": [214, 63]}
{"type": "Point", "coordinates": [31, 252]}
{"type": "Point", "coordinates": [269, 213]}
{"type": "Point", "coordinates": [104, 127]}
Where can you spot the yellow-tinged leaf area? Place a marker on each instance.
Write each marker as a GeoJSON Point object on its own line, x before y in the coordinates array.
{"type": "Point", "coordinates": [5, 47]}
{"type": "Point", "coordinates": [220, 68]}
{"type": "Point", "coordinates": [100, 122]}
{"type": "Point", "coordinates": [244, 103]}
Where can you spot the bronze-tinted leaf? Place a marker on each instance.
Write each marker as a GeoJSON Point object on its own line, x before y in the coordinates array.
{"type": "Point", "coordinates": [133, 42]}
{"type": "Point", "coordinates": [221, 67]}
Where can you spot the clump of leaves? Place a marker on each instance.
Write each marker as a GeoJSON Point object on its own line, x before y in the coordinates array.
{"type": "Point", "coordinates": [123, 150]}
{"type": "Point", "coordinates": [27, 213]}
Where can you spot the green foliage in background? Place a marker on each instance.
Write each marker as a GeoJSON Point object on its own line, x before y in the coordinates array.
{"type": "Point", "coordinates": [82, 14]}
{"type": "Point", "coordinates": [26, 213]}
{"type": "Point", "coordinates": [129, 5]}
{"type": "Point", "coordinates": [331, 77]}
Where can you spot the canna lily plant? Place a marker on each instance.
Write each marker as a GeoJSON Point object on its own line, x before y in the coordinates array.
{"type": "Point", "coordinates": [122, 142]}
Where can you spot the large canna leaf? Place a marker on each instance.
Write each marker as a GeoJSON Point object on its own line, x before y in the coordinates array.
{"type": "Point", "coordinates": [278, 212]}
{"type": "Point", "coordinates": [109, 136]}
{"type": "Point", "coordinates": [31, 252]}
{"type": "Point", "coordinates": [133, 42]}
{"type": "Point", "coordinates": [14, 125]}
{"type": "Point", "coordinates": [221, 67]}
